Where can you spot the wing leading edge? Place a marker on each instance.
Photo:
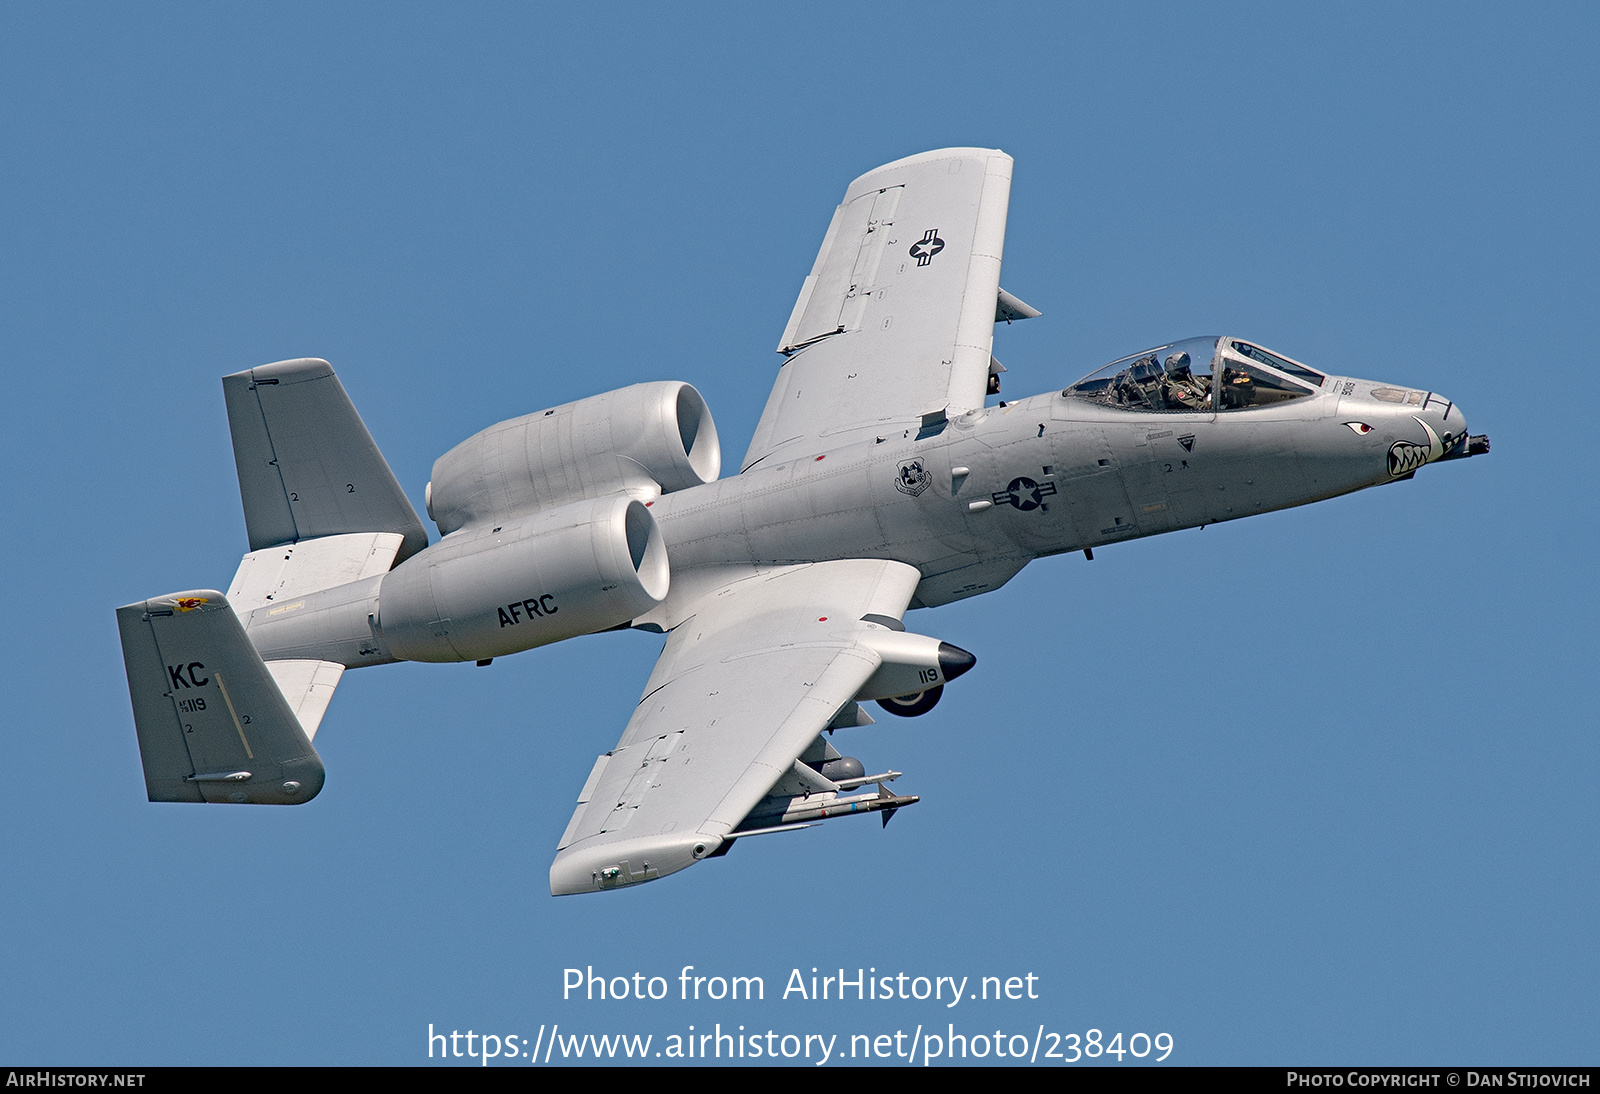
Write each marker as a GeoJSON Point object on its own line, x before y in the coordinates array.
{"type": "Point", "coordinates": [742, 689]}
{"type": "Point", "coordinates": [896, 319]}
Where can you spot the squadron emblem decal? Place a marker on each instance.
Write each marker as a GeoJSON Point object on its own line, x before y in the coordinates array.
{"type": "Point", "coordinates": [925, 248]}
{"type": "Point", "coordinates": [1025, 494]}
{"type": "Point", "coordinates": [913, 478]}
{"type": "Point", "coordinates": [190, 603]}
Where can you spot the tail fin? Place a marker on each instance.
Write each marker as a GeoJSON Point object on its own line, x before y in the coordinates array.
{"type": "Point", "coordinates": [307, 465]}
{"type": "Point", "coordinates": [213, 725]}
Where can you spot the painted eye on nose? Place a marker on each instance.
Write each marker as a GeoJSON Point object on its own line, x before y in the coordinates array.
{"type": "Point", "coordinates": [1360, 427]}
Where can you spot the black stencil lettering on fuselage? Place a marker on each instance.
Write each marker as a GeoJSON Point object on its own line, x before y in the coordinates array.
{"type": "Point", "coordinates": [523, 610]}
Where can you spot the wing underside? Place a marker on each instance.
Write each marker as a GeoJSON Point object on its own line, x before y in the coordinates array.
{"type": "Point", "coordinates": [742, 690]}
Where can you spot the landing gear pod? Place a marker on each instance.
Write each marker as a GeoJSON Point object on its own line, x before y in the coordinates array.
{"type": "Point", "coordinates": [913, 671]}
{"type": "Point", "coordinates": [909, 706]}
{"type": "Point", "coordinates": [490, 591]}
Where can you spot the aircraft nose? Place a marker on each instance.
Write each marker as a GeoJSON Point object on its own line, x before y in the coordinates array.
{"type": "Point", "coordinates": [1445, 425]}
{"type": "Point", "coordinates": [1442, 419]}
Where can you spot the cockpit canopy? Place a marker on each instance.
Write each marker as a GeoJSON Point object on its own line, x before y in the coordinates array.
{"type": "Point", "coordinates": [1198, 375]}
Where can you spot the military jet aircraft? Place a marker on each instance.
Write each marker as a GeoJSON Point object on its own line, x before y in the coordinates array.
{"type": "Point", "coordinates": [877, 481]}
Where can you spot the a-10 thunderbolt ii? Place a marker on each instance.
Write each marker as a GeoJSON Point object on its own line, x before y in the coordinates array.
{"type": "Point", "coordinates": [877, 481]}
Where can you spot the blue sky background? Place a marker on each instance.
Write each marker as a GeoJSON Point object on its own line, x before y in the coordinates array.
{"type": "Point", "coordinates": [1314, 787]}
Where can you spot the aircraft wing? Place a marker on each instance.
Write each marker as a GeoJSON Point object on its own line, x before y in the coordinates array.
{"type": "Point", "coordinates": [742, 689]}
{"type": "Point", "coordinates": [896, 320]}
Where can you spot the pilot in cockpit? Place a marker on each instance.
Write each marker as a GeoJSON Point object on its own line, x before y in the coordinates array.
{"type": "Point", "coordinates": [1182, 389]}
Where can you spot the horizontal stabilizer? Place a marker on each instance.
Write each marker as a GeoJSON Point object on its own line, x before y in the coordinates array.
{"type": "Point", "coordinates": [307, 465]}
{"type": "Point", "coordinates": [279, 574]}
{"type": "Point", "coordinates": [307, 687]}
{"type": "Point", "coordinates": [213, 725]}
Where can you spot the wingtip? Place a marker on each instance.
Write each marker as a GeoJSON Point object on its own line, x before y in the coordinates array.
{"type": "Point", "coordinates": [625, 863]}
{"type": "Point", "coordinates": [976, 154]}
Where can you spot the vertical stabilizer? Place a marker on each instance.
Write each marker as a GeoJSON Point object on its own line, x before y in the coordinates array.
{"type": "Point", "coordinates": [213, 725]}
{"type": "Point", "coordinates": [307, 465]}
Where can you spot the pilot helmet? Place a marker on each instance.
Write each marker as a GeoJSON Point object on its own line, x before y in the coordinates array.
{"type": "Point", "coordinates": [1178, 364]}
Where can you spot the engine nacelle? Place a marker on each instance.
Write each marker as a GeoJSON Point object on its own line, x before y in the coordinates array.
{"type": "Point", "coordinates": [492, 590]}
{"type": "Point", "coordinates": [644, 440]}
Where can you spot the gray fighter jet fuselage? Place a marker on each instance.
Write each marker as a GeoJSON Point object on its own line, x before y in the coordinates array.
{"type": "Point", "coordinates": [968, 501]}
{"type": "Point", "coordinates": [972, 500]}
